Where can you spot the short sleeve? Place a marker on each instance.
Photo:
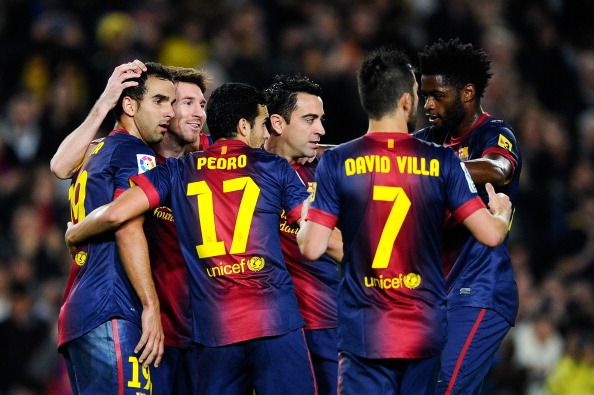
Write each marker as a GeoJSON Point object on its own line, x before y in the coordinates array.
{"type": "Point", "coordinates": [156, 183]}
{"type": "Point", "coordinates": [294, 193]}
{"type": "Point", "coordinates": [501, 140]}
{"type": "Point", "coordinates": [325, 205]}
{"type": "Point", "coordinates": [462, 197]}
{"type": "Point", "coordinates": [129, 159]}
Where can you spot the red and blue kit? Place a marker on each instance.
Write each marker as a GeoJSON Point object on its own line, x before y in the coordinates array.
{"type": "Point", "coordinates": [316, 283]}
{"type": "Point", "coordinates": [479, 276]}
{"type": "Point", "coordinates": [227, 202]}
{"type": "Point", "coordinates": [388, 193]}
{"type": "Point", "coordinates": [170, 275]}
{"type": "Point", "coordinates": [98, 288]}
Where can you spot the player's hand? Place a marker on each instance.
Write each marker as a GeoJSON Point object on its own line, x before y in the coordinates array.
{"type": "Point", "coordinates": [67, 237]}
{"type": "Point", "coordinates": [304, 210]}
{"type": "Point", "coordinates": [120, 80]}
{"type": "Point", "coordinates": [151, 341]}
{"type": "Point", "coordinates": [499, 203]}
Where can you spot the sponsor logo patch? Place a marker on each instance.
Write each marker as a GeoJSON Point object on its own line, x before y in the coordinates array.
{"type": "Point", "coordinates": [503, 142]}
{"type": "Point", "coordinates": [145, 162]}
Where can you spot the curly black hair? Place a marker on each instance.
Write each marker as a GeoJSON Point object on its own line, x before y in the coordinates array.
{"type": "Point", "coordinates": [458, 63]}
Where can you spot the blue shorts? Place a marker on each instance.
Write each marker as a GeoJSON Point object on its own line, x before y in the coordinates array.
{"type": "Point", "coordinates": [358, 375]}
{"type": "Point", "coordinates": [474, 336]}
{"type": "Point", "coordinates": [103, 361]}
{"type": "Point", "coordinates": [323, 348]}
{"type": "Point", "coordinates": [176, 372]}
{"type": "Point", "coordinates": [269, 365]}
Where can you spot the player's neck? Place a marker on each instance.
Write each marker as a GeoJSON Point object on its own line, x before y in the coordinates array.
{"type": "Point", "coordinates": [170, 147]}
{"type": "Point", "coordinates": [468, 121]}
{"type": "Point", "coordinates": [388, 124]}
{"type": "Point", "coordinates": [276, 146]}
{"type": "Point", "coordinates": [130, 127]}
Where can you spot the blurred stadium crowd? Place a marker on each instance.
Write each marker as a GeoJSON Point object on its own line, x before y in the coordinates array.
{"type": "Point", "coordinates": [57, 55]}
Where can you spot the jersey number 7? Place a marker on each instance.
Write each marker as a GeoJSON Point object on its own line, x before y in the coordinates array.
{"type": "Point", "coordinates": [211, 245]}
{"type": "Point", "coordinates": [401, 205]}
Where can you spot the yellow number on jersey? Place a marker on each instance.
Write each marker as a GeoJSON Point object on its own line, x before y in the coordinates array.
{"type": "Point", "coordinates": [146, 373]}
{"type": "Point", "coordinates": [211, 245]}
{"type": "Point", "coordinates": [393, 224]}
{"type": "Point", "coordinates": [77, 201]}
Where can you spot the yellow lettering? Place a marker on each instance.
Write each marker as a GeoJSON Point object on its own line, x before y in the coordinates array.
{"type": "Point", "coordinates": [385, 164]}
{"type": "Point", "coordinates": [360, 165]}
{"type": "Point", "coordinates": [434, 167]}
{"type": "Point", "coordinates": [349, 166]}
{"type": "Point", "coordinates": [222, 163]}
{"type": "Point", "coordinates": [401, 160]}
{"type": "Point", "coordinates": [424, 170]}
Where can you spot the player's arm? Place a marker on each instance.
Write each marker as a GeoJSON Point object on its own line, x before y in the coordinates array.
{"type": "Point", "coordinates": [335, 245]}
{"type": "Point", "coordinates": [493, 168]}
{"type": "Point", "coordinates": [128, 205]}
{"type": "Point", "coordinates": [71, 151]}
{"type": "Point", "coordinates": [490, 226]}
{"type": "Point", "coordinates": [313, 239]}
{"type": "Point", "coordinates": [133, 250]}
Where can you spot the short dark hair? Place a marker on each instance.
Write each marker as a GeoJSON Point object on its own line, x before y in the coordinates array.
{"type": "Point", "coordinates": [385, 75]}
{"type": "Point", "coordinates": [228, 104]}
{"type": "Point", "coordinates": [458, 63]}
{"type": "Point", "coordinates": [137, 92]}
{"type": "Point", "coordinates": [190, 75]}
{"type": "Point", "coordinates": [281, 95]}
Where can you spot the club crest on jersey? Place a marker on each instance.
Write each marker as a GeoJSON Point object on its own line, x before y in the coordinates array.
{"type": "Point", "coordinates": [311, 189]}
{"type": "Point", "coordinates": [80, 258]}
{"type": "Point", "coordinates": [256, 263]}
{"type": "Point", "coordinates": [145, 162]}
{"type": "Point", "coordinates": [463, 153]}
{"type": "Point", "coordinates": [503, 142]}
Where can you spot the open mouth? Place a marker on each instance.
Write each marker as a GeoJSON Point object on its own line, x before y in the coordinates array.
{"type": "Point", "coordinates": [432, 118]}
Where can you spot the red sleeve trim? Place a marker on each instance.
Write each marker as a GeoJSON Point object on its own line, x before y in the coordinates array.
{"type": "Point", "coordinates": [149, 190]}
{"type": "Point", "coordinates": [503, 152]}
{"type": "Point", "coordinates": [118, 192]}
{"type": "Point", "coordinates": [294, 214]}
{"type": "Point", "coordinates": [321, 217]}
{"type": "Point", "coordinates": [468, 208]}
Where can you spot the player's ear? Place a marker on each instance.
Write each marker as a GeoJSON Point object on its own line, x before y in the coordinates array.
{"type": "Point", "coordinates": [468, 93]}
{"type": "Point", "coordinates": [277, 124]}
{"type": "Point", "coordinates": [243, 127]}
{"type": "Point", "coordinates": [406, 101]}
{"type": "Point", "coordinates": [129, 106]}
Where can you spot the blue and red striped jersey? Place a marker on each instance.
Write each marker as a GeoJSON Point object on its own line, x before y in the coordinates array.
{"type": "Point", "coordinates": [227, 202]}
{"type": "Point", "coordinates": [388, 193]}
{"type": "Point", "coordinates": [170, 275]}
{"type": "Point", "coordinates": [98, 288]}
{"type": "Point", "coordinates": [316, 282]}
{"type": "Point", "coordinates": [479, 276]}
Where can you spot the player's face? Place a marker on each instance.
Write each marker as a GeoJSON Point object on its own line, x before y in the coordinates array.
{"type": "Point", "coordinates": [189, 112]}
{"type": "Point", "coordinates": [443, 106]}
{"type": "Point", "coordinates": [155, 110]}
{"type": "Point", "coordinates": [303, 132]}
{"type": "Point", "coordinates": [259, 132]}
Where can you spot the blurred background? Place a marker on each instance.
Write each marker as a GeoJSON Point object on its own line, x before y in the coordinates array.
{"type": "Point", "coordinates": [56, 56]}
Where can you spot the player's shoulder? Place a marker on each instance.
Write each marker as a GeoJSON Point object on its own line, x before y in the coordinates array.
{"type": "Point", "coordinates": [494, 125]}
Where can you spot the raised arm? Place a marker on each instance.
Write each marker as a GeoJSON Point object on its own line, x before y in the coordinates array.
{"type": "Point", "coordinates": [71, 151]}
{"type": "Point", "coordinates": [490, 227]}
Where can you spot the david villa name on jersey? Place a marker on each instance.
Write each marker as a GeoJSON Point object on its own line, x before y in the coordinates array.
{"type": "Point", "coordinates": [383, 164]}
